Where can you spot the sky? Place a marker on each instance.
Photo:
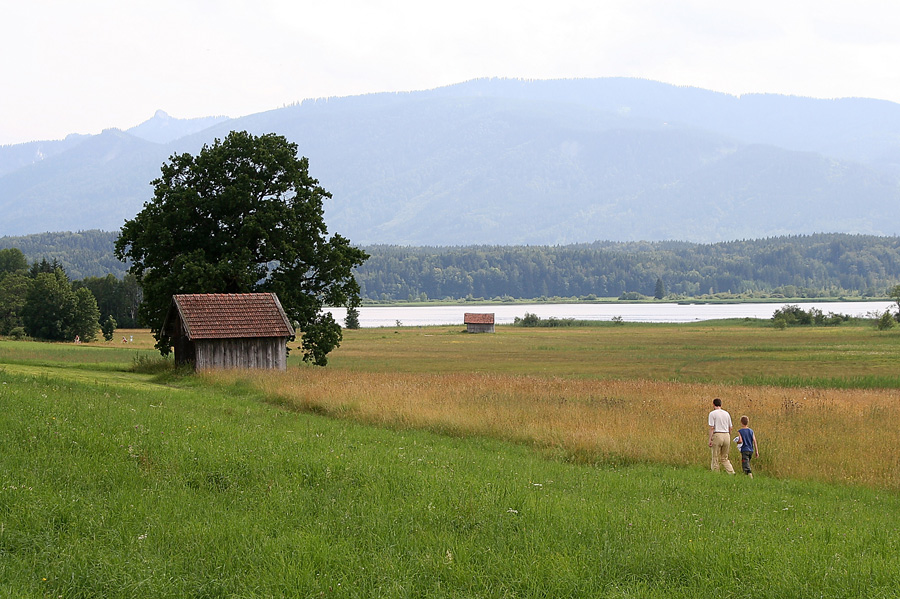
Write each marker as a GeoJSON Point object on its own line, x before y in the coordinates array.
{"type": "Point", "coordinates": [81, 67]}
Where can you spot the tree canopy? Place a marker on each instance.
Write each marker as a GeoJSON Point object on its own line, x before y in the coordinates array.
{"type": "Point", "coordinates": [54, 311]}
{"type": "Point", "coordinates": [242, 216]}
{"type": "Point", "coordinates": [12, 260]}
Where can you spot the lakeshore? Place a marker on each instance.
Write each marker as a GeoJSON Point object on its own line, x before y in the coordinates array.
{"type": "Point", "coordinates": [506, 313]}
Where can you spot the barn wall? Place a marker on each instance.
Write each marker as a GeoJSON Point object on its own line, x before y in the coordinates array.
{"type": "Point", "coordinates": [184, 349]}
{"type": "Point", "coordinates": [479, 328]}
{"type": "Point", "coordinates": [264, 352]}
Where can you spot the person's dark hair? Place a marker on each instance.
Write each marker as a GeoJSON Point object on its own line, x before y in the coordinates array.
{"type": "Point", "coordinates": [717, 402]}
{"type": "Point", "coordinates": [745, 421]}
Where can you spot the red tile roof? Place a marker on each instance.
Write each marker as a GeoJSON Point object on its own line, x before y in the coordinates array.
{"type": "Point", "coordinates": [232, 315]}
{"type": "Point", "coordinates": [475, 318]}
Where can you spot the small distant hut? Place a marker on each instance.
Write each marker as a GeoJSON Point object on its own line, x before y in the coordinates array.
{"type": "Point", "coordinates": [229, 330]}
{"type": "Point", "coordinates": [479, 323]}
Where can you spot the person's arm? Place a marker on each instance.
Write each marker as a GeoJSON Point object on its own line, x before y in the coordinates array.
{"type": "Point", "coordinates": [755, 444]}
{"type": "Point", "coordinates": [712, 429]}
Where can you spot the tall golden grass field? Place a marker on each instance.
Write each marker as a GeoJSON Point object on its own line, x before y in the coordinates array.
{"type": "Point", "coordinates": [501, 386]}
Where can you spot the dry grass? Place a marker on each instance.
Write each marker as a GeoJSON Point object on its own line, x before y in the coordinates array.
{"type": "Point", "coordinates": [845, 436]}
{"type": "Point", "coordinates": [633, 393]}
{"type": "Point", "coordinates": [136, 339]}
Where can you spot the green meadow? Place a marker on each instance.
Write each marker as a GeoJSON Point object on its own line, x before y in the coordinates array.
{"type": "Point", "coordinates": [119, 478]}
{"type": "Point", "coordinates": [733, 351]}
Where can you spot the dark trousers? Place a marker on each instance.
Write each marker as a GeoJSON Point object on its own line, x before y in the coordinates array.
{"type": "Point", "coordinates": [745, 461]}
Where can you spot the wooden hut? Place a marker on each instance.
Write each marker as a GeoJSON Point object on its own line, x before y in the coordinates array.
{"type": "Point", "coordinates": [229, 330]}
{"type": "Point", "coordinates": [479, 323]}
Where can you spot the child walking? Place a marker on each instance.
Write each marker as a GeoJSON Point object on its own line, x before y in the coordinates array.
{"type": "Point", "coordinates": [749, 446]}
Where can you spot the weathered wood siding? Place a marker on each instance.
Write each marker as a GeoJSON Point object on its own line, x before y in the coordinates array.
{"type": "Point", "coordinates": [184, 349]}
{"type": "Point", "coordinates": [479, 328]}
{"type": "Point", "coordinates": [262, 352]}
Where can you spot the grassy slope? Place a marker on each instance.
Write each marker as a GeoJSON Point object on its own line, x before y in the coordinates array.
{"type": "Point", "coordinates": [127, 487]}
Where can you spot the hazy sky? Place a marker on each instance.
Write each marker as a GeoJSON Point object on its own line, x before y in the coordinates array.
{"type": "Point", "coordinates": [80, 67]}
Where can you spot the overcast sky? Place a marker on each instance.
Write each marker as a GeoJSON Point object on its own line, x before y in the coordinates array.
{"type": "Point", "coordinates": [80, 67]}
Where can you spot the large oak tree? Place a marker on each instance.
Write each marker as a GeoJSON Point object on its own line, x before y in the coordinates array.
{"type": "Point", "coordinates": [242, 216]}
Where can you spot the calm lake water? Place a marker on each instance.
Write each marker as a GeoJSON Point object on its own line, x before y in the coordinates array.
{"type": "Point", "coordinates": [387, 316]}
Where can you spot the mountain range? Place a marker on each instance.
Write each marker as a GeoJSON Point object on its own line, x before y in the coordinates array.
{"type": "Point", "coordinates": [501, 161]}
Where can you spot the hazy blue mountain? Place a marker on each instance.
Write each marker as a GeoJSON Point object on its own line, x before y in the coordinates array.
{"type": "Point", "coordinates": [525, 162]}
{"type": "Point", "coordinates": [163, 128]}
{"type": "Point", "coordinates": [16, 156]}
{"type": "Point", "coordinates": [856, 129]}
{"type": "Point", "coordinates": [98, 184]}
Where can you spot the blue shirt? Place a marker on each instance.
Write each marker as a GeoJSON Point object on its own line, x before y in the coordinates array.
{"type": "Point", "coordinates": [747, 438]}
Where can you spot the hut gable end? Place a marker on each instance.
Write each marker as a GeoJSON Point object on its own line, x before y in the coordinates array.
{"type": "Point", "coordinates": [229, 330]}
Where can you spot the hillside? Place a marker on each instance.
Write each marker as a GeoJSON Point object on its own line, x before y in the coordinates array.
{"type": "Point", "coordinates": [517, 162]}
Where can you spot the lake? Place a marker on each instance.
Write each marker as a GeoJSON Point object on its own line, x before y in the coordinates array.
{"type": "Point", "coordinates": [387, 316]}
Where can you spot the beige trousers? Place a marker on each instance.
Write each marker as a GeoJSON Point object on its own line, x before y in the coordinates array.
{"type": "Point", "coordinates": [719, 450]}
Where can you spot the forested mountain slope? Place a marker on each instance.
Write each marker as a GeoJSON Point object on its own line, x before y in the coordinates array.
{"type": "Point", "coordinates": [517, 162]}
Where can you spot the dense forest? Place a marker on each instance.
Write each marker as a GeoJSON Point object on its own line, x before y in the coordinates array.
{"type": "Point", "coordinates": [822, 265]}
{"type": "Point", "coordinates": [81, 254]}
{"type": "Point", "coordinates": [825, 265]}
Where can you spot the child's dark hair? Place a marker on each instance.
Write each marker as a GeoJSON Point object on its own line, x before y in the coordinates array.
{"type": "Point", "coordinates": [745, 421]}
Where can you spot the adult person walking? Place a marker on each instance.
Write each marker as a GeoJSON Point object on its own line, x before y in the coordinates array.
{"type": "Point", "coordinates": [720, 437]}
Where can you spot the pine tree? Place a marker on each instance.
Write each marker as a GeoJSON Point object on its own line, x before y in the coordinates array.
{"type": "Point", "coordinates": [660, 291]}
{"type": "Point", "coordinates": [352, 319]}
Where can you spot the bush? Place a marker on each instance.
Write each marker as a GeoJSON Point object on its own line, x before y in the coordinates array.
{"type": "Point", "coordinates": [835, 319]}
{"type": "Point", "coordinates": [109, 327]}
{"type": "Point", "coordinates": [795, 315]}
{"type": "Point", "coordinates": [533, 320]}
{"type": "Point", "coordinates": [529, 320]}
{"type": "Point", "coordinates": [886, 321]}
{"type": "Point", "coordinates": [791, 315]}
{"type": "Point", "coordinates": [632, 296]}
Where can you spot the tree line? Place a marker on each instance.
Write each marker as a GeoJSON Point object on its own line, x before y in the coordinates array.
{"type": "Point", "coordinates": [42, 302]}
{"type": "Point", "coordinates": [822, 265]}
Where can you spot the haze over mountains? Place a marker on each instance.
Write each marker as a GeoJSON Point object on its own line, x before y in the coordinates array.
{"type": "Point", "coordinates": [516, 162]}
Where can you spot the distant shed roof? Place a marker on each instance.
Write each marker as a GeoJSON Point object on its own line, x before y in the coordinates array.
{"type": "Point", "coordinates": [232, 315]}
{"type": "Point", "coordinates": [476, 318]}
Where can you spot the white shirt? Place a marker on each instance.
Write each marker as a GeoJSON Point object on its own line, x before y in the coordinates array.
{"type": "Point", "coordinates": [720, 420]}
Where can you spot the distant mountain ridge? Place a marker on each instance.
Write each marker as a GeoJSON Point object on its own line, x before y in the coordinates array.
{"type": "Point", "coordinates": [163, 128]}
{"type": "Point", "coordinates": [496, 161]}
